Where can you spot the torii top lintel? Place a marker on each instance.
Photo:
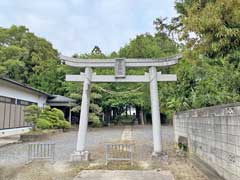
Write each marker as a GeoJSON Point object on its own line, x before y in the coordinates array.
{"type": "Point", "coordinates": [139, 62]}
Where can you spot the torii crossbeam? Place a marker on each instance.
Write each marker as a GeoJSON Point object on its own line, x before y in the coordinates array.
{"type": "Point", "coordinates": [120, 66]}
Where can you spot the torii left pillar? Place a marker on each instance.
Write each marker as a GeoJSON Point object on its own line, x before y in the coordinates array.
{"type": "Point", "coordinates": [81, 154]}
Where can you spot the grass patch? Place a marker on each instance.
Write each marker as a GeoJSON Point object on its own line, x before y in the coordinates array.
{"type": "Point", "coordinates": [111, 166]}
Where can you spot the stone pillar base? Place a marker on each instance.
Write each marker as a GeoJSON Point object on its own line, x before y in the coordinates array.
{"type": "Point", "coordinates": [156, 154]}
{"type": "Point", "coordinates": [160, 156]}
{"type": "Point", "coordinates": [79, 156]}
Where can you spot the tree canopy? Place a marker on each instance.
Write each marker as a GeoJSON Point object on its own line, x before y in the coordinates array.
{"type": "Point", "coordinates": [211, 27]}
{"type": "Point", "coordinates": [30, 59]}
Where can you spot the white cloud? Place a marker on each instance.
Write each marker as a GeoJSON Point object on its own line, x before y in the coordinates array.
{"type": "Point", "coordinates": [77, 25]}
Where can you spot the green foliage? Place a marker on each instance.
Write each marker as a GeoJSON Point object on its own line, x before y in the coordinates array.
{"type": "Point", "coordinates": [43, 124]}
{"type": "Point", "coordinates": [49, 76]}
{"type": "Point", "coordinates": [95, 120]}
{"type": "Point", "coordinates": [199, 85]}
{"type": "Point", "coordinates": [47, 118]}
{"type": "Point", "coordinates": [14, 69]}
{"type": "Point", "coordinates": [127, 120]}
{"type": "Point", "coordinates": [58, 113]}
{"type": "Point", "coordinates": [32, 114]}
{"type": "Point", "coordinates": [121, 95]}
{"type": "Point", "coordinates": [149, 46]}
{"type": "Point", "coordinates": [29, 59]}
{"type": "Point", "coordinates": [96, 51]}
{"type": "Point", "coordinates": [74, 91]}
{"type": "Point", "coordinates": [211, 28]}
{"type": "Point", "coordinates": [54, 116]}
{"type": "Point", "coordinates": [64, 124]}
{"type": "Point", "coordinates": [209, 72]}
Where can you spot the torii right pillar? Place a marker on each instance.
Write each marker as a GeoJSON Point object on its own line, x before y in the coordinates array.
{"type": "Point", "coordinates": [156, 121]}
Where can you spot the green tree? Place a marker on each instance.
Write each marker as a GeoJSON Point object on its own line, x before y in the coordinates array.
{"type": "Point", "coordinates": [30, 59]}
{"type": "Point", "coordinates": [49, 76]}
{"type": "Point", "coordinates": [118, 97]}
{"type": "Point", "coordinates": [209, 72]}
{"type": "Point", "coordinates": [96, 51]}
{"type": "Point", "coordinates": [74, 90]}
{"type": "Point", "coordinates": [211, 28]}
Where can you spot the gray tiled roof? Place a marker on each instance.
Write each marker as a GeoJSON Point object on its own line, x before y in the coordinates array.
{"type": "Point", "coordinates": [58, 98]}
{"type": "Point", "coordinates": [24, 86]}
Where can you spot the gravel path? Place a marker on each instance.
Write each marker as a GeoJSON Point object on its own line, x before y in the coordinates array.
{"type": "Point", "coordinates": [144, 143]}
{"type": "Point", "coordinates": [65, 145]}
{"type": "Point", "coordinates": [13, 157]}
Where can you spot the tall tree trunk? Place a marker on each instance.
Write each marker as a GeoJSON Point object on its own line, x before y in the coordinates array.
{"type": "Point", "coordinates": [138, 108]}
{"type": "Point", "coordinates": [114, 113]}
{"type": "Point", "coordinates": [145, 117]}
{"type": "Point", "coordinates": [126, 110]}
{"type": "Point", "coordinates": [107, 116]}
{"type": "Point", "coordinates": [141, 116]}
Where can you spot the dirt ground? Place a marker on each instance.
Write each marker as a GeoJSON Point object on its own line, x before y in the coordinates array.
{"type": "Point", "coordinates": [180, 166]}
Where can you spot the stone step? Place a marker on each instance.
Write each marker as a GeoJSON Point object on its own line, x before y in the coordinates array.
{"type": "Point", "coordinates": [124, 175]}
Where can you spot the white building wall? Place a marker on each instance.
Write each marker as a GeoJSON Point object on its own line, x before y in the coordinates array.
{"type": "Point", "coordinates": [11, 90]}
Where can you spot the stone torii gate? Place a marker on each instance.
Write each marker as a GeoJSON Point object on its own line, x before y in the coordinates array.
{"type": "Point", "coordinates": [120, 76]}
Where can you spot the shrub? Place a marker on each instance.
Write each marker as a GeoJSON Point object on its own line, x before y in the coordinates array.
{"type": "Point", "coordinates": [31, 114]}
{"type": "Point", "coordinates": [51, 116]}
{"type": "Point", "coordinates": [47, 118]}
{"type": "Point", "coordinates": [55, 117]}
{"type": "Point", "coordinates": [43, 124]}
{"type": "Point", "coordinates": [59, 114]}
{"type": "Point", "coordinates": [95, 120]}
{"type": "Point", "coordinates": [124, 120]}
{"type": "Point", "coordinates": [64, 124]}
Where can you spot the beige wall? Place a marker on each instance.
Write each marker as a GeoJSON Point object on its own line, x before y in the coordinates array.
{"type": "Point", "coordinates": [12, 112]}
{"type": "Point", "coordinates": [214, 136]}
{"type": "Point", "coordinates": [11, 116]}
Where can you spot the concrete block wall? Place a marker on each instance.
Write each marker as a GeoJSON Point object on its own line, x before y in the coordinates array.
{"type": "Point", "coordinates": [213, 134]}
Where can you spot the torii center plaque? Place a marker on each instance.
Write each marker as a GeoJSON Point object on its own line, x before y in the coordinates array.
{"type": "Point", "coordinates": [120, 68]}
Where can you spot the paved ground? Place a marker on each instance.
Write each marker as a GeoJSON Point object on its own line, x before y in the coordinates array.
{"type": "Point", "coordinates": [124, 175]}
{"type": "Point", "coordinates": [66, 142]}
{"type": "Point", "coordinates": [65, 145]}
{"type": "Point", "coordinates": [9, 140]}
{"type": "Point", "coordinates": [14, 157]}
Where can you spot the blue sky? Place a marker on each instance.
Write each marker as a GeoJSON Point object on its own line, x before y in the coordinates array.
{"type": "Point", "coordinates": [75, 26]}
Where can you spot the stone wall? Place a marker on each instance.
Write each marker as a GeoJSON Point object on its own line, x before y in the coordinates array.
{"type": "Point", "coordinates": [213, 134]}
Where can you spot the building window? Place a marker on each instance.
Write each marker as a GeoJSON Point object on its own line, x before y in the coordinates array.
{"type": "Point", "coordinates": [24, 103]}
{"type": "Point", "coordinates": [15, 101]}
{"type": "Point", "coordinates": [7, 100]}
